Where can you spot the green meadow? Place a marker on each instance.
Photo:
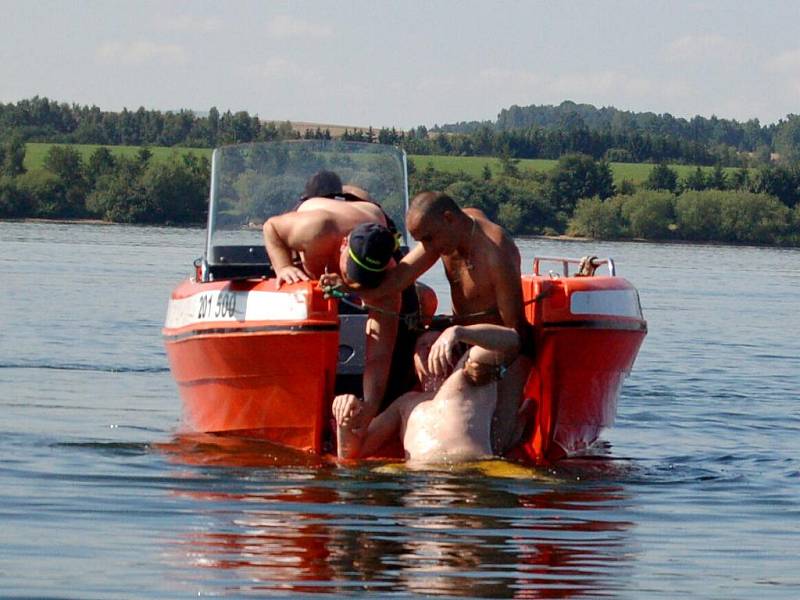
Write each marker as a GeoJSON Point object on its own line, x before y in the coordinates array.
{"type": "Point", "coordinates": [35, 152]}
{"type": "Point", "coordinates": [473, 165]}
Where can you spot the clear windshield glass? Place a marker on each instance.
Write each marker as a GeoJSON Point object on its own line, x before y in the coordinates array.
{"type": "Point", "coordinates": [252, 182]}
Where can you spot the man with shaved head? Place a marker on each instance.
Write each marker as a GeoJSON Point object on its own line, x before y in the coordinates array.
{"type": "Point", "coordinates": [482, 264]}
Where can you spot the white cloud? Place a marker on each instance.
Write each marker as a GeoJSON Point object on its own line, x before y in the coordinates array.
{"type": "Point", "coordinates": [188, 22]}
{"type": "Point", "coordinates": [785, 62]}
{"type": "Point", "coordinates": [601, 83]}
{"type": "Point", "coordinates": [509, 77]}
{"type": "Point", "coordinates": [693, 48]}
{"type": "Point", "coordinates": [140, 53]}
{"type": "Point", "coordinates": [287, 26]}
{"type": "Point", "coordinates": [278, 68]}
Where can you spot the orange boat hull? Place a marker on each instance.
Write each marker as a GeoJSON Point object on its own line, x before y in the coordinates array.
{"type": "Point", "coordinates": [240, 373]}
{"type": "Point", "coordinates": [582, 359]}
{"type": "Point", "coordinates": [270, 379]}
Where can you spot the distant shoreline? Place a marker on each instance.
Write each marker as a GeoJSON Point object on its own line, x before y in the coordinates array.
{"type": "Point", "coordinates": [557, 238]}
{"type": "Point", "coordinates": [98, 222]}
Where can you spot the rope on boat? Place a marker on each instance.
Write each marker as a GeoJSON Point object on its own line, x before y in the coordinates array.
{"type": "Point", "coordinates": [587, 266]}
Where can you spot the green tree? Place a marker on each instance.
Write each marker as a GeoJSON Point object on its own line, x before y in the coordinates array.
{"type": "Point", "coordinates": [752, 218]}
{"type": "Point", "coordinates": [717, 179]}
{"type": "Point", "coordinates": [597, 219]}
{"type": "Point", "coordinates": [626, 187]}
{"type": "Point", "coordinates": [120, 196]}
{"type": "Point", "coordinates": [12, 157]}
{"type": "Point", "coordinates": [662, 177]}
{"type": "Point", "coordinates": [101, 162]}
{"type": "Point", "coordinates": [67, 164]}
{"type": "Point", "coordinates": [578, 176]}
{"type": "Point", "coordinates": [143, 155]}
{"type": "Point", "coordinates": [696, 180]}
{"type": "Point", "coordinates": [176, 190]}
{"type": "Point", "coordinates": [509, 167]}
{"type": "Point", "coordinates": [787, 139]}
{"type": "Point", "coordinates": [740, 179]}
{"type": "Point", "coordinates": [697, 215]}
{"type": "Point", "coordinates": [650, 214]}
{"type": "Point", "coordinates": [778, 181]}
{"type": "Point", "coordinates": [64, 161]}
{"type": "Point", "coordinates": [14, 202]}
{"type": "Point", "coordinates": [45, 194]}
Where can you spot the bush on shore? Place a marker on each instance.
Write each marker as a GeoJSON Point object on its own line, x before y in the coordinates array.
{"type": "Point", "coordinates": [708, 215]}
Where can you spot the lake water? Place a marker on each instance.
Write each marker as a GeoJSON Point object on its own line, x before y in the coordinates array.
{"type": "Point", "coordinates": [694, 493]}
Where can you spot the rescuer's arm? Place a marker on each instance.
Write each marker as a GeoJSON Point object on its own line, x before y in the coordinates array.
{"type": "Point", "coordinates": [381, 332]}
{"type": "Point", "coordinates": [293, 231]}
{"type": "Point", "coordinates": [353, 440]}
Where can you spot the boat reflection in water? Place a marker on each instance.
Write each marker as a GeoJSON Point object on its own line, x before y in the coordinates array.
{"type": "Point", "coordinates": [273, 522]}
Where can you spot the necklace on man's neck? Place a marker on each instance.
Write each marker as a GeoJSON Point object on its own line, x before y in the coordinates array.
{"type": "Point", "coordinates": [468, 260]}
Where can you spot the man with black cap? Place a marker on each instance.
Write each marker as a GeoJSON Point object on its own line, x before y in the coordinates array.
{"type": "Point", "coordinates": [352, 239]}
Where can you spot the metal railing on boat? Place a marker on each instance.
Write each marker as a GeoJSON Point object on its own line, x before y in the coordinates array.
{"type": "Point", "coordinates": [566, 262]}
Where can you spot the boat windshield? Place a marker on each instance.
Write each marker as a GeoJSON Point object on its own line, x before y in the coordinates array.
{"type": "Point", "coordinates": [252, 182]}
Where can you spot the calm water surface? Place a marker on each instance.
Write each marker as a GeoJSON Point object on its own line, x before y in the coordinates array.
{"type": "Point", "coordinates": [695, 492]}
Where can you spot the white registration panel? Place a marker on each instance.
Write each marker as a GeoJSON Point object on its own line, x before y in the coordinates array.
{"type": "Point", "coordinates": [617, 303]}
{"type": "Point", "coordinates": [232, 306]}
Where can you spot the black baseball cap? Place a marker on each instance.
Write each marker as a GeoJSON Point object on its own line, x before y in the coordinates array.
{"type": "Point", "coordinates": [369, 252]}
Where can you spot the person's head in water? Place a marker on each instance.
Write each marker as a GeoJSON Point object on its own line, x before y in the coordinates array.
{"type": "Point", "coordinates": [325, 184]}
{"type": "Point", "coordinates": [366, 254]}
{"type": "Point", "coordinates": [436, 221]}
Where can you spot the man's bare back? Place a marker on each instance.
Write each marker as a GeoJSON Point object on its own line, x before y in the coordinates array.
{"type": "Point", "coordinates": [315, 230]}
{"type": "Point", "coordinates": [452, 424]}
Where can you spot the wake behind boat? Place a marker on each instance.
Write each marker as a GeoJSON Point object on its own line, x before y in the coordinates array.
{"type": "Point", "coordinates": [252, 360]}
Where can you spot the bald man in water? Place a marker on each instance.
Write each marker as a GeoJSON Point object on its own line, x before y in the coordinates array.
{"type": "Point", "coordinates": [451, 424]}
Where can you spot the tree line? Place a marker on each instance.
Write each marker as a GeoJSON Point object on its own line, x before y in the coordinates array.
{"type": "Point", "coordinates": [637, 137]}
{"type": "Point", "coordinates": [112, 188]}
{"type": "Point", "coordinates": [43, 120]}
{"type": "Point", "coordinates": [578, 197]}
{"type": "Point", "coordinates": [519, 132]}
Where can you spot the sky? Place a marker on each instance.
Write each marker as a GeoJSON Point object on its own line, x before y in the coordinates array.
{"type": "Point", "coordinates": [405, 63]}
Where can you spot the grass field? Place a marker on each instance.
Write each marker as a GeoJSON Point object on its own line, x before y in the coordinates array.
{"type": "Point", "coordinates": [35, 152]}
{"type": "Point", "coordinates": [473, 165]}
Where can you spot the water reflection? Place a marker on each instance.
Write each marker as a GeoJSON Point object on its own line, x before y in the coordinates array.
{"type": "Point", "coordinates": [304, 525]}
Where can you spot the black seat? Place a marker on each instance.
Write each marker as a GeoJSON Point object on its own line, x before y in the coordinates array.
{"type": "Point", "coordinates": [239, 262]}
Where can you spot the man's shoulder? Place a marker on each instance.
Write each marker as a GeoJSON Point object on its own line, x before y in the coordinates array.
{"type": "Point", "coordinates": [342, 208]}
{"type": "Point", "coordinates": [320, 204]}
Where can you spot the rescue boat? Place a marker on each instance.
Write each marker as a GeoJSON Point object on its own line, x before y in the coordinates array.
{"type": "Point", "coordinates": [257, 361]}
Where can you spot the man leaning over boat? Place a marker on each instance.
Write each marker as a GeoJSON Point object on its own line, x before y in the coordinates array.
{"type": "Point", "coordinates": [349, 238]}
{"type": "Point", "coordinates": [482, 265]}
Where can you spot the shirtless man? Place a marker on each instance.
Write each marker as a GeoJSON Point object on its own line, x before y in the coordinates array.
{"type": "Point", "coordinates": [350, 239]}
{"type": "Point", "coordinates": [482, 264]}
{"type": "Point", "coordinates": [452, 424]}
{"type": "Point", "coordinates": [315, 230]}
